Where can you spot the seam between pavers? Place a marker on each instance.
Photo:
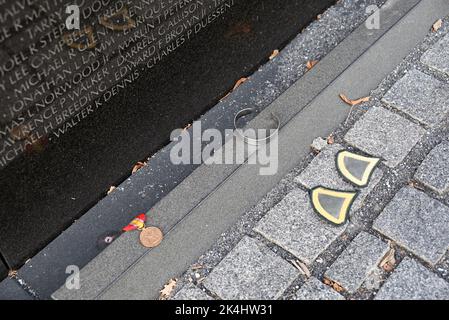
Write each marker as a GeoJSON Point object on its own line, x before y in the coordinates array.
{"type": "Point", "coordinates": [409, 118]}
{"type": "Point", "coordinates": [407, 252]}
{"type": "Point", "coordinates": [416, 259]}
{"type": "Point", "coordinates": [234, 170]}
{"type": "Point", "coordinates": [234, 174]}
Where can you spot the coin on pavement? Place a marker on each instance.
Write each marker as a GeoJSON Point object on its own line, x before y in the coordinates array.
{"type": "Point", "coordinates": [151, 237]}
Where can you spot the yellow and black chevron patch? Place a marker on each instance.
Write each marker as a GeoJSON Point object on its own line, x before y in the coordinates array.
{"type": "Point", "coordinates": [355, 168]}
{"type": "Point", "coordinates": [332, 205]}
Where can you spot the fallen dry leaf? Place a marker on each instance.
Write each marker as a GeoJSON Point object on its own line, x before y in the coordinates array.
{"type": "Point", "coordinates": [301, 267]}
{"type": "Point", "coordinates": [239, 83]}
{"type": "Point", "coordinates": [227, 95]}
{"type": "Point", "coordinates": [333, 285]}
{"type": "Point", "coordinates": [12, 273]}
{"type": "Point", "coordinates": [139, 165]}
{"type": "Point", "coordinates": [353, 102]}
{"type": "Point", "coordinates": [111, 189]}
{"type": "Point", "coordinates": [389, 261]}
{"type": "Point", "coordinates": [337, 287]}
{"type": "Point", "coordinates": [310, 64]}
{"type": "Point", "coordinates": [331, 139]}
{"type": "Point", "coordinates": [274, 54]}
{"type": "Point", "coordinates": [168, 289]}
{"type": "Point", "coordinates": [437, 25]}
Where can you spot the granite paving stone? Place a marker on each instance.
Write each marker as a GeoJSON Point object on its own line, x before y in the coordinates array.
{"type": "Point", "coordinates": [251, 271]}
{"type": "Point", "coordinates": [418, 223]}
{"type": "Point", "coordinates": [359, 259]}
{"type": "Point", "coordinates": [190, 292]}
{"type": "Point", "coordinates": [294, 226]}
{"type": "Point", "coordinates": [322, 171]}
{"type": "Point", "coordinates": [412, 281]}
{"type": "Point", "coordinates": [421, 96]}
{"type": "Point", "coordinates": [318, 144]}
{"type": "Point", "coordinates": [384, 134]}
{"type": "Point", "coordinates": [437, 57]}
{"type": "Point", "coordinates": [315, 290]}
{"type": "Point", "coordinates": [434, 171]}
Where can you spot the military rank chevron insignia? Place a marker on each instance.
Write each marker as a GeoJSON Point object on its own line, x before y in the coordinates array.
{"type": "Point", "coordinates": [356, 169]}
{"type": "Point", "coordinates": [332, 205]}
{"type": "Point", "coordinates": [335, 205]}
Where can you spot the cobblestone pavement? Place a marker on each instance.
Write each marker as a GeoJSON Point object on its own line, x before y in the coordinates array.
{"type": "Point", "coordinates": [395, 245]}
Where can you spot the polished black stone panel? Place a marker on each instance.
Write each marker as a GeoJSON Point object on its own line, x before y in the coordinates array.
{"type": "Point", "coordinates": [44, 192]}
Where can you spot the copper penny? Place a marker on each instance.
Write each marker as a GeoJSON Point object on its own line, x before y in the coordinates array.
{"type": "Point", "coordinates": [151, 237]}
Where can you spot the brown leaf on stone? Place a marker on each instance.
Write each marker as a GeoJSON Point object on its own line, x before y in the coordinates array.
{"type": "Point", "coordinates": [168, 289]}
{"type": "Point", "coordinates": [353, 102]}
{"type": "Point", "coordinates": [389, 261]}
{"type": "Point", "coordinates": [226, 95]}
{"type": "Point", "coordinates": [139, 165]}
{"type": "Point", "coordinates": [310, 64]}
{"type": "Point", "coordinates": [13, 273]}
{"type": "Point", "coordinates": [333, 285]}
{"type": "Point", "coordinates": [437, 25]}
{"type": "Point", "coordinates": [239, 83]}
{"type": "Point", "coordinates": [274, 54]}
{"type": "Point", "coordinates": [338, 287]}
{"type": "Point", "coordinates": [111, 189]}
{"type": "Point", "coordinates": [331, 139]}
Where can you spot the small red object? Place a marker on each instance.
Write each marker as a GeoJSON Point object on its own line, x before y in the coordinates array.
{"type": "Point", "coordinates": [138, 223]}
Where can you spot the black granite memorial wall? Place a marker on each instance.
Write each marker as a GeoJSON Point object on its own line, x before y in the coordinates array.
{"type": "Point", "coordinates": [78, 108]}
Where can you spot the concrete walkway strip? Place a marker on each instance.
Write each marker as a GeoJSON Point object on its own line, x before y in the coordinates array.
{"type": "Point", "coordinates": [213, 198]}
